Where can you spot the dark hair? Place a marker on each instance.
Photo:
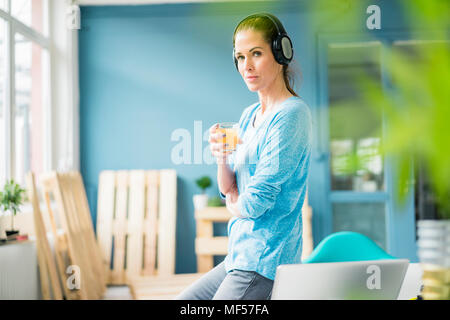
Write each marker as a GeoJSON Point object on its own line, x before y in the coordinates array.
{"type": "Point", "coordinates": [269, 32]}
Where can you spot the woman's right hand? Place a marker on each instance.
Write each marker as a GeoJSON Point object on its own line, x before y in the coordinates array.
{"type": "Point", "coordinates": [217, 144]}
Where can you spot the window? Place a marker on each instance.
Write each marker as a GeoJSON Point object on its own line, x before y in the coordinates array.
{"type": "Point", "coordinates": [30, 97]}
{"type": "Point", "coordinates": [31, 13]}
{"type": "Point", "coordinates": [356, 163]}
{"type": "Point", "coordinates": [2, 101]}
{"type": "Point", "coordinates": [358, 200]}
{"type": "Point", "coordinates": [24, 89]}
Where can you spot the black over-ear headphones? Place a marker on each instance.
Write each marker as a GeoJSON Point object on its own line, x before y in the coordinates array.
{"type": "Point", "coordinates": [281, 46]}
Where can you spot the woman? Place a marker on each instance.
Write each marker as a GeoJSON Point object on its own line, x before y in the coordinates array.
{"type": "Point", "coordinates": [264, 180]}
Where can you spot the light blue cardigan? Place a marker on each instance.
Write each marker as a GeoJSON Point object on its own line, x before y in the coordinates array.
{"type": "Point", "coordinates": [271, 168]}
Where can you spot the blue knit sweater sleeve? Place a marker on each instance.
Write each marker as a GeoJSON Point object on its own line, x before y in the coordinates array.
{"type": "Point", "coordinates": [283, 150]}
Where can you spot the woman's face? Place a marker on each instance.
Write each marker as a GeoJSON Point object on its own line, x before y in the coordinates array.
{"type": "Point", "coordinates": [255, 58]}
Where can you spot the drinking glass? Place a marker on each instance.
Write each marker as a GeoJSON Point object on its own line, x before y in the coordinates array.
{"type": "Point", "coordinates": [230, 129]}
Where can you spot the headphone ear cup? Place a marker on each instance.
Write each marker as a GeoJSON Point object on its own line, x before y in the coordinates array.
{"type": "Point", "coordinates": [277, 52]}
{"type": "Point", "coordinates": [282, 49]}
{"type": "Point", "coordinates": [286, 48]}
{"type": "Point", "coordinates": [276, 44]}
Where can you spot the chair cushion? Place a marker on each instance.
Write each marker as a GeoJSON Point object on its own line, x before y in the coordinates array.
{"type": "Point", "coordinates": [347, 246]}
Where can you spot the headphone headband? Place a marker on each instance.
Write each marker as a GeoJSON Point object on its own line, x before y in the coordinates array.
{"type": "Point", "coordinates": [276, 22]}
{"type": "Point", "coordinates": [271, 17]}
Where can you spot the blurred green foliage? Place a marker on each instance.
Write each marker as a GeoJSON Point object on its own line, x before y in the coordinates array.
{"type": "Point", "coordinates": [215, 202]}
{"type": "Point", "coordinates": [203, 183]}
{"type": "Point", "coordinates": [417, 109]}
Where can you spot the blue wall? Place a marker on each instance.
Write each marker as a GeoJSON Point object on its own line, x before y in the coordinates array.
{"type": "Point", "coordinates": [146, 71]}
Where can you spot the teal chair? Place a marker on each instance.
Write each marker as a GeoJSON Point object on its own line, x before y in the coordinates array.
{"type": "Point", "coordinates": [347, 246]}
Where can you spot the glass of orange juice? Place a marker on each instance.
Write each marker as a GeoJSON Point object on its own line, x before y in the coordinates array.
{"type": "Point", "coordinates": [230, 129]}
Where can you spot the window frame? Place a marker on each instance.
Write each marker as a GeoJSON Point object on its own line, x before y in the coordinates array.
{"type": "Point", "coordinates": [13, 27]}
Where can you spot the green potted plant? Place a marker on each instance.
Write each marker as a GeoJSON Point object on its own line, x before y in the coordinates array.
{"type": "Point", "coordinates": [201, 200]}
{"type": "Point", "coordinates": [11, 197]}
{"type": "Point", "coordinates": [216, 202]}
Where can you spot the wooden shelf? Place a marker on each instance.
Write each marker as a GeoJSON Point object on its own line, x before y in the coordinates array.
{"type": "Point", "coordinates": [206, 245]}
{"type": "Point", "coordinates": [215, 214]}
{"type": "Point", "coordinates": [211, 246]}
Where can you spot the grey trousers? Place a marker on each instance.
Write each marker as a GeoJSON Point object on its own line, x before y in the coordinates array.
{"type": "Point", "coordinates": [217, 284]}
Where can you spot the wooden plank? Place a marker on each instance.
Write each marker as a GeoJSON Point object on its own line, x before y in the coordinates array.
{"type": "Point", "coordinates": [205, 250]}
{"type": "Point", "coordinates": [77, 240]}
{"type": "Point", "coordinates": [76, 191]}
{"type": "Point", "coordinates": [105, 214]}
{"type": "Point", "coordinates": [118, 271]}
{"type": "Point", "coordinates": [168, 296]}
{"type": "Point", "coordinates": [60, 247]}
{"type": "Point", "coordinates": [151, 212]}
{"type": "Point", "coordinates": [181, 278]}
{"type": "Point", "coordinates": [205, 262]}
{"type": "Point", "coordinates": [45, 283]}
{"type": "Point", "coordinates": [174, 289]}
{"type": "Point", "coordinates": [47, 267]}
{"type": "Point", "coordinates": [204, 230]}
{"type": "Point", "coordinates": [215, 214]}
{"type": "Point", "coordinates": [86, 222]}
{"type": "Point", "coordinates": [167, 222]}
{"type": "Point", "coordinates": [91, 250]}
{"type": "Point", "coordinates": [77, 237]}
{"type": "Point", "coordinates": [155, 288]}
{"type": "Point", "coordinates": [211, 246]}
{"type": "Point", "coordinates": [150, 223]}
{"type": "Point", "coordinates": [136, 213]}
{"type": "Point", "coordinates": [62, 254]}
{"type": "Point", "coordinates": [44, 267]}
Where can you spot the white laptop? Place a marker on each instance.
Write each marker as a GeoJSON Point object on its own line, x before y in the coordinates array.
{"type": "Point", "coordinates": [360, 280]}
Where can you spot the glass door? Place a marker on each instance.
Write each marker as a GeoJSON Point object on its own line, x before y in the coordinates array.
{"type": "Point", "coordinates": [358, 199]}
{"type": "Point", "coordinates": [356, 183]}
